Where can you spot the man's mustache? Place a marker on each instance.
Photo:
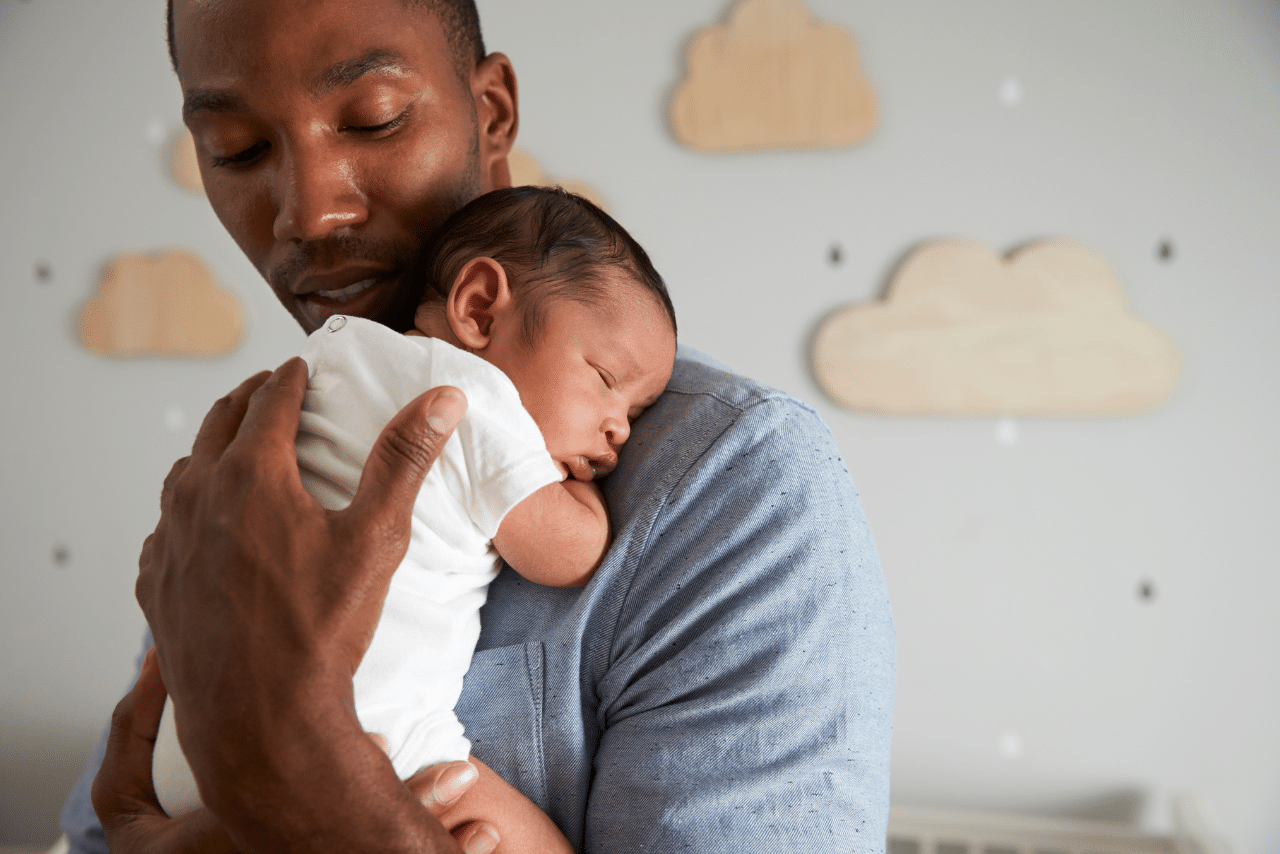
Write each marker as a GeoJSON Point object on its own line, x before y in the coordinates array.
{"type": "Point", "coordinates": [336, 252]}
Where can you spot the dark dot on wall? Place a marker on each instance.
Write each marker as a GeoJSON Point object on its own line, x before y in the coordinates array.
{"type": "Point", "coordinates": [61, 555]}
{"type": "Point", "coordinates": [1147, 591]}
{"type": "Point", "coordinates": [44, 273]}
{"type": "Point", "coordinates": [1164, 251]}
{"type": "Point", "coordinates": [837, 255]}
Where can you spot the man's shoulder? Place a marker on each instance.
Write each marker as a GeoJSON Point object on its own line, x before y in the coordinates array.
{"type": "Point", "coordinates": [707, 404]}
{"type": "Point", "coordinates": [700, 375]}
{"type": "Point", "coordinates": [714, 431]}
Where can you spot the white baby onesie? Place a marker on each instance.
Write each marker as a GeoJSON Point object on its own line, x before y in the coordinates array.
{"type": "Point", "coordinates": [362, 374]}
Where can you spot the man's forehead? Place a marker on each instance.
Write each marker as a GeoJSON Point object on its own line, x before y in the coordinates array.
{"type": "Point", "coordinates": [241, 19]}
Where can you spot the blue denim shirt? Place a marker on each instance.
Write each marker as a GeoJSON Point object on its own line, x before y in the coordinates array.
{"type": "Point", "coordinates": [725, 682]}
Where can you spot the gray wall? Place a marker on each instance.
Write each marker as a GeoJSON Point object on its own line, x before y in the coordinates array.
{"type": "Point", "coordinates": [1032, 675]}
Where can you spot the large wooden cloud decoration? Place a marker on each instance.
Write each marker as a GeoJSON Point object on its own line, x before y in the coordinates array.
{"type": "Point", "coordinates": [963, 331]}
{"type": "Point", "coordinates": [772, 78]}
{"type": "Point", "coordinates": [161, 305]}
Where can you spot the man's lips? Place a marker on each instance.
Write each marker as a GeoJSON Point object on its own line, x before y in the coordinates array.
{"type": "Point", "coordinates": [341, 286]}
{"type": "Point", "coordinates": [344, 294]}
{"type": "Point", "coordinates": [363, 294]}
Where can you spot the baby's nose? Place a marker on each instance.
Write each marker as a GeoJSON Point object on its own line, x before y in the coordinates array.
{"type": "Point", "coordinates": [616, 432]}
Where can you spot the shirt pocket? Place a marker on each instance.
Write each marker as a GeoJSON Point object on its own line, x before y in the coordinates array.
{"type": "Point", "coordinates": [501, 708]}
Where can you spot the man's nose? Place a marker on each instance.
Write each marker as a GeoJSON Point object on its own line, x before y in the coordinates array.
{"type": "Point", "coordinates": [317, 192]}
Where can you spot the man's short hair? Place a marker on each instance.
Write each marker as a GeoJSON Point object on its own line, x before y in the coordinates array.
{"type": "Point", "coordinates": [459, 19]}
{"type": "Point", "coordinates": [552, 244]}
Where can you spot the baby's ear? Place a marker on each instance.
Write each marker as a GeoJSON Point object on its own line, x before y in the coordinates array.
{"type": "Point", "coordinates": [480, 293]}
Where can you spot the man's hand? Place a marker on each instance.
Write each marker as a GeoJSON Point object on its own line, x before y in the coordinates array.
{"type": "Point", "coordinates": [123, 795]}
{"type": "Point", "coordinates": [134, 822]}
{"type": "Point", "coordinates": [262, 604]}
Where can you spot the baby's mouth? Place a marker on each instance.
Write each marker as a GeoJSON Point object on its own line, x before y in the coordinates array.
{"type": "Point", "coordinates": [584, 469]}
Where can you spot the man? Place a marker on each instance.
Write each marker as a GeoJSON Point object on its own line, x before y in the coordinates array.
{"type": "Point", "coordinates": [724, 683]}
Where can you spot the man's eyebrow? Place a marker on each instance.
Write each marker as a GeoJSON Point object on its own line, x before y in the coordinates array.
{"type": "Point", "coordinates": [349, 71]}
{"type": "Point", "coordinates": [210, 100]}
{"type": "Point", "coordinates": [332, 78]}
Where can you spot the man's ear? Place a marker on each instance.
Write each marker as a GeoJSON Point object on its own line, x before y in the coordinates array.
{"type": "Point", "coordinates": [493, 89]}
{"type": "Point", "coordinates": [480, 294]}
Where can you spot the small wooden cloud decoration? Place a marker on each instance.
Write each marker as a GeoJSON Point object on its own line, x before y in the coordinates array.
{"type": "Point", "coordinates": [772, 78]}
{"type": "Point", "coordinates": [161, 305]}
{"type": "Point", "coordinates": [527, 172]}
{"type": "Point", "coordinates": [963, 331]}
{"type": "Point", "coordinates": [183, 165]}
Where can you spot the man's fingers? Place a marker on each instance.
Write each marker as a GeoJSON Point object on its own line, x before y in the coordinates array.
{"type": "Point", "coordinates": [148, 698]}
{"type": "Point", "coordinates": [220, 425]}
{"type": "Point", "coordinates": [274, 407]}
{"type": "Point", "coordinates": [171, 479]}
{"type": "Point", "coordinates": [123, 786]}
{"type": "Point", "coordinates": [440, 786]}
{"type": "Point", "coordinates": [402, 456]}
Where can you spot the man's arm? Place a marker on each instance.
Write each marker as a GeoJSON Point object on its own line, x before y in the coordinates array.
{"type": "Point", "coordinates": [262, 604]}
{"type": "Point", "coordinates": [557, 536]}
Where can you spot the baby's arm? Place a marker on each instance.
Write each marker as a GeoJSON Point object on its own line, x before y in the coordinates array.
{"type": "Point", "coordinates": [558, 535]}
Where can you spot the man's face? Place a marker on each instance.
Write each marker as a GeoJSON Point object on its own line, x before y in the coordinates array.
{"type": "Point", "coordinates": [334, 137]}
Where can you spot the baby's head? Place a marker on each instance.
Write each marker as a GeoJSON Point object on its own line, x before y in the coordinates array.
{"type": "Point", "coordinates": [550, 289]}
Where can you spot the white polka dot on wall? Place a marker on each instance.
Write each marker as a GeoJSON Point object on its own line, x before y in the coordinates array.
{"type": "Point", "coordinates": [175, 418]}
{"type": "Point", "coordinates": [1007, 432]}
{"type": "Point", "coordinates": [156, 130]}
{"type": "Point", "coordinates": [1011, 92]}
{"type": "Point", "coordinates": [1011, 745]}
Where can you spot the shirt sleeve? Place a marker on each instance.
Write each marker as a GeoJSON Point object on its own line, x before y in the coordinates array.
{"type": "Point", "coordinates": [748, 700]}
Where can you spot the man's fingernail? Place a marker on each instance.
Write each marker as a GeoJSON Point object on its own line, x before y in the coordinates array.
{"type": "Point", "coordinates": [484, 840]}
{"type": "Point", "coordinates": [446, 410]}
{"type": "Point", "coordinates": [451, 786]}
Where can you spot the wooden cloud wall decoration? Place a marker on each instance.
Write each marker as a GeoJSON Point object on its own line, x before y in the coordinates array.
{"type": "Point", "coordinates": [184, 167]}
{"type": "Point", "coordinates": [963, 331]}
{"type": "Point", "coordinates": [167, 304]}
{"type": "Point", "coordinates": [527, 171]}
{"type": "Point", "coordinates": [772, 78]}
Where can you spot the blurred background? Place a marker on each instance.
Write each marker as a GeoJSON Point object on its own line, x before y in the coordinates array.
{"type": "Point", "coordinates": [1088, 610]}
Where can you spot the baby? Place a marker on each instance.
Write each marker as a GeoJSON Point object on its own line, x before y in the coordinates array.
{"type": "Point", "coordinates": [553, 321]}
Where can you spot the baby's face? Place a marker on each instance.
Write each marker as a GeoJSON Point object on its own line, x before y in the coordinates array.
{"type": "Point", "coordinates": [591, 373]}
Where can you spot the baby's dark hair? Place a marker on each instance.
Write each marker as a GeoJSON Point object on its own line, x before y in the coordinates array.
{"type": "Point", "coordinates": [552, 244]}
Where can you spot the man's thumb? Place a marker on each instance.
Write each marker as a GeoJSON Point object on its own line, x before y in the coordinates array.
{"type": "Point", "coordinates": [405, 452]}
